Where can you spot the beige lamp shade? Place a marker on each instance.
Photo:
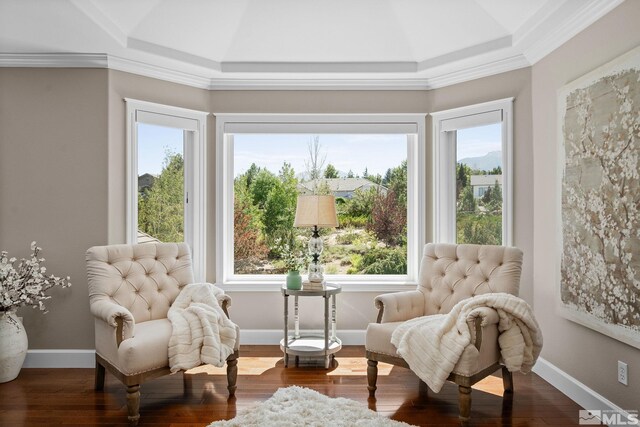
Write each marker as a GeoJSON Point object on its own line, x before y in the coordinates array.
{"type": "Point", "coordinates": [316, 210]}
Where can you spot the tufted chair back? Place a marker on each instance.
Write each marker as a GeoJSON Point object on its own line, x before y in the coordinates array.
{"type": "Point", "coordinates": [450, 273]}
{"type": "Point", "coordinates": [144, 278]}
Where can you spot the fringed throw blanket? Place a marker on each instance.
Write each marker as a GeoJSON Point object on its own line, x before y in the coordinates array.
{"type": "Point", "coordinates": [202, 333]}
{"type": "Point", "coordinates": [432, 345]}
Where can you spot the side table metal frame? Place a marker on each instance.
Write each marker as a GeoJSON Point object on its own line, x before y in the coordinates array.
{"type": "Point", "coordinates": [331, 342]}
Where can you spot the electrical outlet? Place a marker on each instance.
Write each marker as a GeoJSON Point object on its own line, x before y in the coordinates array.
{"type": "Point", "coordinates": [622, 373]}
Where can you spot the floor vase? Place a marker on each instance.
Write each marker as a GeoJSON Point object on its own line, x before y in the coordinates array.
{"type": "Point", "coordinates": [13, 346]}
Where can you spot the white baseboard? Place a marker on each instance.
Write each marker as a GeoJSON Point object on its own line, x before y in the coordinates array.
{"type": "Point", "coordinates": [273, 336]}
{"type": "Point", "coordinates": [60, 359]}
{"type": "Point", "coordinates": [575, 390]}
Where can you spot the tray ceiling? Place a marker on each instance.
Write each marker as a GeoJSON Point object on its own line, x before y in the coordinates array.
{"type": "Point", "coordinates": [412, 44]}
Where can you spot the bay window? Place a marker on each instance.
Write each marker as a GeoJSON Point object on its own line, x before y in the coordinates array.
{"type": "Point", "coordinates": [474, 174]}
{"type": "Point", "coordinates": [166, 177]}
{"type": "Point", "coordinates": [372, 164]}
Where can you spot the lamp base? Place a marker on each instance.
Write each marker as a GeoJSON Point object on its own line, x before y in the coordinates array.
{"type": "Point", "coordinates": [315, 246]}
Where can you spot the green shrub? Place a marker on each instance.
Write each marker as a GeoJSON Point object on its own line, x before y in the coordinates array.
{"type": "Point", "coordinates": [331, 269]}
{"type": "Point", "coordinates": [347, 238]}
{"type": "Point", "coordinates": [384, 261]}
{"type": "Point", "coordinates": [481, 229]}
{"type": "Point", "coordinates": [357, 221]}
{"type": "Point", "coordinates": [356, 261]}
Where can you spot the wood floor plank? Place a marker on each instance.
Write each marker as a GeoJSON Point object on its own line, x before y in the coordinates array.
{"type": "Point", "coordinates": [65, 397]}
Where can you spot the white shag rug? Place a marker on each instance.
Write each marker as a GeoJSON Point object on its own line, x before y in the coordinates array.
{"type": "Point", "coordinates": [298, 406]}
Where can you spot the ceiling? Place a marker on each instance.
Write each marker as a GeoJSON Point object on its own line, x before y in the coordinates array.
{"type": "Point", "coordinates": [240, 44]}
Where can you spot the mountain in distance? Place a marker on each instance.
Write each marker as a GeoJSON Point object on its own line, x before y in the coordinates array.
{"type": "Point", "coordinates": [491, 160]}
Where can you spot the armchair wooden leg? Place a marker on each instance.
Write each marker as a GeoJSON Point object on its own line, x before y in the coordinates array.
{"type": "Point", "coordinates": [372, 376]}
{"type": "Point", "coordinates": [133, 403]}
{"type": "Point", "coordinates": [100, 372]}
{"type": "Point", "coordinates": [507, 380]}
{"type": "Point", "coordinates": [464, 396]}
{"type": "Point", "coordinates": [423, 389]}
{"type": "Point", "coordinates": [232, 375]}
{"type": "Point", "coordinates": [187, 384]}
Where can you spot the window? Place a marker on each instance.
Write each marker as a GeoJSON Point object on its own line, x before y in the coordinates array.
{"type": "Point", "coordinates": [371, 164]}
{"type": "Point", "coordinates": [473, 174]}
{"type": "Point", "coordinates": [165, 180]}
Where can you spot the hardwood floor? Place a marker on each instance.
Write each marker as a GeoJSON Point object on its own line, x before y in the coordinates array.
{"type": "Point", "coordinates": [66, 396]}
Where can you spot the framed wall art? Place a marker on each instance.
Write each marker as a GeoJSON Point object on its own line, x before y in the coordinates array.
{"type": "Point", "coordinates": [599, 135]}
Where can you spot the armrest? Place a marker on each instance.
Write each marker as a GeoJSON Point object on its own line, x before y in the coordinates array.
{"type": "Point", "coordinates": [225, 302]}
{"type": "Point", "coordinates": [223, 299]}
{"type": "Point", "coordinates": [488, 316]}
{"type": "Point", "coordinates": [399, 306]}
{"type": "Point", "coordinates": [116, 316]}
{"type": "Point", "coordinates": [477, 320]}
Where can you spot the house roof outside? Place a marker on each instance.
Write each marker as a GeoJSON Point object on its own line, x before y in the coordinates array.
{"type": "Point", "coordinates": [336, 185]}
{"type": "Point", "coordinates": [145, 181]}
{"type": "Point", "coordinates": [485, 180]}
{"type": "Point", "coordinates": [146, 238]}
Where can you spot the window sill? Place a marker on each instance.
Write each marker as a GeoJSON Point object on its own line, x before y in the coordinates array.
{"type": "Point", "coordinates": [347, 286]}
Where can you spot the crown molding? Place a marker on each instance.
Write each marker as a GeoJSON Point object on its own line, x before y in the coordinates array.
{"type": "Point", "coordinates": [54, 60]}
{"type": "Point", "coordinates": [101, 60]}
{"type": "Point", "coordinates": [158, 72]}
{"type": "Point", "coordinates": [319, 84]}
{"type": "Point", "coordinates": [448, 78]}
{"type": "Point", "coordinates": [546, 42]}
{"type": "Point", "coordinates": [320, 67]}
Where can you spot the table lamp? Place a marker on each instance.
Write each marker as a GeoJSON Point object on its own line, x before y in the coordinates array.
{"type": "Point", "coordinates": [316, 211]}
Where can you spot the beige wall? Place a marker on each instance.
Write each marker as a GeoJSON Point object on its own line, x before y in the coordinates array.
{"type": "Point", "coordinates": [587, 355]}
{"type": "Point", "coordinates": [78, 108]}
{"type": "Point", "coordinates": [53, 186]}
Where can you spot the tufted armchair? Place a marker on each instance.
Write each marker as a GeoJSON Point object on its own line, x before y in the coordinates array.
{"type": "Point", "coordinates": [131, 288]}
{"type": "Point", "coordinates": [448, 274]}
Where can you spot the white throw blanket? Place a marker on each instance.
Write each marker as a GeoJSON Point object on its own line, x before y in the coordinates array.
{"type": "Point", "coordinates": [432, 345]}
{"type": "Point", "coordinates": [202, 333]}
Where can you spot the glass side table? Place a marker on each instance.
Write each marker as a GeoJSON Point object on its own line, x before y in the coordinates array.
{"type": "Point", "coordinates": [308, 344]}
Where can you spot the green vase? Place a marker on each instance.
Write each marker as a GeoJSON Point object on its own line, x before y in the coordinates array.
{"type": "Point", "coordinates": [294, 280]}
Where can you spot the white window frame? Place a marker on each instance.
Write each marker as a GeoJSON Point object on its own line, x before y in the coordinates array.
{"type": "Point", "coordinates": [194, 125]}
{"type": "Point", "coordinates": [445, 123]}
{"type": "Point", "coordinates": [227, 124]}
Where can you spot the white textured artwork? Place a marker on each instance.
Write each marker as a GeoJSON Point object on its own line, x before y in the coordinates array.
{"type": "Point", "coordinates": [600, 199]}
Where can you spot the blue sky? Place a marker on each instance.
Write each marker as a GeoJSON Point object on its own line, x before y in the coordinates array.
{"type": "Point", "coordinates": [346, 152]}
{"type": "Point", "coordinates": [478, 141]}
{"type": "Point", "coordinates": [152, 143]}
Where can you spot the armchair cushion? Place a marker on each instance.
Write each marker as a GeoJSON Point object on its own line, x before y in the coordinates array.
{"type": "Point", "coordinates": [378, 338]}
{"type": "Point", "coordinates": [148, 349]}
{"type": "Point", "coordinates": [472, 361]}
{"type": "Point", "coordinates": [145, 351]}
